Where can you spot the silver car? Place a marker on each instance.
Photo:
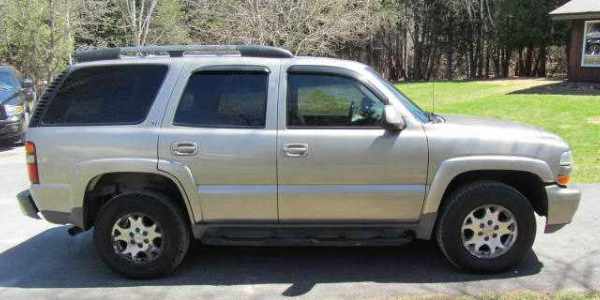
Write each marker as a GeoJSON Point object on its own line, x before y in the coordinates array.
{"type": "Point", "coordinates": [250, 145]}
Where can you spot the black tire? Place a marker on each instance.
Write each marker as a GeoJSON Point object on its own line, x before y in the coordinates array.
{"type": "Point", "coordinates": [175, 239]}
{"type": "Point", "coordinates": [466, 199]}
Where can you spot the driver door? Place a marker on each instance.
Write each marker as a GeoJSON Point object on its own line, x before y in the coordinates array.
{"type": "Point", "coordinates": [336, 163]}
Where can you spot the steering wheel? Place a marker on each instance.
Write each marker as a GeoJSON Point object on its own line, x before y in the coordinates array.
{"type": "Point", "coordinates": [350, 113]}
{"type": "Point", "coordinates": [245, 119]}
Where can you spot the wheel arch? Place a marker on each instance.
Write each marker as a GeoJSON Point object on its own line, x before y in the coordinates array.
{"type": "Point", "coordinates": [103, 187]}
{"type": "Point", "coordinates": [528, 175]}
{"type": "Point", "coordinates": [528, 184]}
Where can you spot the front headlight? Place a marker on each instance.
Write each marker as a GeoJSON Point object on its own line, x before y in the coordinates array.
{"type": "Point", "coordinates": [566, 159]}
{"type": "Point", "coordinates": [566, 166]}
{"type": "Point", "coordinates": [14, 110]}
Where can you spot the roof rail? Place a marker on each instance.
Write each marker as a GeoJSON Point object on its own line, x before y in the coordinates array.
{"type": "Point", "coordinates": [179, 50]}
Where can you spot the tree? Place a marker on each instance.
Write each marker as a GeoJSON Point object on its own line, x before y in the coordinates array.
{"type": "Point", "coordinates": [36, 35]}
{"type": "Point", "coordinates": [138, 19]}
{"type": "Point", "coordinates": [168, 25]}
{"type": "Point", "coordinates": [402, 39]}
{"type": "Point", "coordinates": [118, 23]}
{"type": "Point", "coordinates": [305, 27]}
{"type": "Point", "coordinates": [101, 24]}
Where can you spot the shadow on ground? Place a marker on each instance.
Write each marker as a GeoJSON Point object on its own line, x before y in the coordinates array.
{"type": "Point", "coordinates": [563, 88]}
{"type": "Point", "coordinates": [52, 259]}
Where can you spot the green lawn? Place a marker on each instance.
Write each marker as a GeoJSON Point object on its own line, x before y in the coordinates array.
{"type": "Point", "coordinates": [573, 116]}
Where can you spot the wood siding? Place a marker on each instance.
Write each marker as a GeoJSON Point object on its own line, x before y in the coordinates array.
{"type": "Point", "coordinates": [576, 71]}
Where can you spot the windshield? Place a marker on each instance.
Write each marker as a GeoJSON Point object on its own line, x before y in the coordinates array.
{"type": "Point", "coordinates": [7, 81]}
{"type": "Point", "coordinates": [409, 104]}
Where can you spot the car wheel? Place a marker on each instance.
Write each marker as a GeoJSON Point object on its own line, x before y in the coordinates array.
{"type": "Point", "coordinates": [486, 227]}
{"type": "Point", "coordinates": [141, 235]}
{"type": "Point", "coordinates": [595, 49]}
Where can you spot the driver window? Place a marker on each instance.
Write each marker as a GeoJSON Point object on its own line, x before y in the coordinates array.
{"type": "Point", "coordinates": [322, 100]}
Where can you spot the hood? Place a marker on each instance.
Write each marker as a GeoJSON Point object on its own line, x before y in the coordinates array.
{"type": "Point", "coordinates": [461, 136]}
{"type": "Point", "coordinates": [493, 129]}
{"type": "Point", "coordinates": [493, 125]}
{"type": "Point", "coordinates": [7, 94]}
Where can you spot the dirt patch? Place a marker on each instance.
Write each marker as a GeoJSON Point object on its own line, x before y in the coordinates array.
{"type": "Point", "coordinates": [564, 88]}
{"type": "Point", "coordinates": [583, 87]}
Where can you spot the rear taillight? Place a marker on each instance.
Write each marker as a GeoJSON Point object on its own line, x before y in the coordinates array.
{"type": "Point", "coordinates": [32, 168]}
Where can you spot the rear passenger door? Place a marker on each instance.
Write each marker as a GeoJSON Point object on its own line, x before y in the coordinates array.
{"type": "Point", "coordinates": [221, 125]}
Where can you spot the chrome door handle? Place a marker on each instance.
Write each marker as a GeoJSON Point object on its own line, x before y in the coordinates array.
{"type": "Point", "coordinates": [184, 148]}
{"type": "Point", "coordinates": [295, 150]}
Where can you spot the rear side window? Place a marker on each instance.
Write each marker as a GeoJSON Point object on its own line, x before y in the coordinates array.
{"type": "Point", "coordinates": [231, 99]}
{"type": "Point", "coordinates": [107, 95]}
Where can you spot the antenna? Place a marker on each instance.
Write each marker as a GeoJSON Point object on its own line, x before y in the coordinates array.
{"type": "Point", "coordinates": [433, 97]}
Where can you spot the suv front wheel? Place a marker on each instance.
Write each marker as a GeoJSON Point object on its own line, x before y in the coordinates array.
{"type": "Point", "coordinates": [141, 235]}
{"type": "Point", "coordinates": [486, 226]}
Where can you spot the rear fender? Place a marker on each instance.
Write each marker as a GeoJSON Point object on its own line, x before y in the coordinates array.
{"type": "Point", "coordinates": [87, 173]}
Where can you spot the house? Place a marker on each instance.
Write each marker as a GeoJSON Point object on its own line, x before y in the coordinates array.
{"type": "Point", "coordinates": [583, 48]}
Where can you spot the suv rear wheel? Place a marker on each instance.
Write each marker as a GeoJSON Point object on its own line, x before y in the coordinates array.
{"type": "Point", "coordinates": [141, 235]}
{"type": "Point", "coordinates": [486, 227]}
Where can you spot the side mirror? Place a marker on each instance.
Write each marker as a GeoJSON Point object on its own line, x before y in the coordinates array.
{"type": "Point", "coordinates": [393, 120]}
{"type": "Point", "coordinates": [27, 83]}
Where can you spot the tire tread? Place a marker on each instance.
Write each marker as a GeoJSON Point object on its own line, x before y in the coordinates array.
{"type": "Point", "coordinates": [462, 194]}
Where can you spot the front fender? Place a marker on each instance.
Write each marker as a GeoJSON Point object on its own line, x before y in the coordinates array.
{"type": "Point", "coordinates": [451, 168]}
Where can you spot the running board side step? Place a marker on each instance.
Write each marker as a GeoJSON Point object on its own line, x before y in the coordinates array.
{"type": "Point", "coordinates": [285, 242]}
{"type": "Point", "coordinates": [338, 236]}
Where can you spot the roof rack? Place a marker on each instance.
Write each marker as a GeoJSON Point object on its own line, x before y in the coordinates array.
{"type": "Point", "coordinates": [179, 51]}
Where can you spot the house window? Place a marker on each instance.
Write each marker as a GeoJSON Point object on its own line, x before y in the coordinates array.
{"type": "Point", "coordinates": [591, 44]}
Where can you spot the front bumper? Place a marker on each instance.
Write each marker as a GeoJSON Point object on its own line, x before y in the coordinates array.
{"type": "Point", "coordinates": [11, 129]}
{"type": "Point", "coordinates": [562, 205]}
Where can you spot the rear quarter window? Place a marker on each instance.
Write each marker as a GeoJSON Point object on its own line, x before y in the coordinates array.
{"type": "Point", "coordinates": [106, 95]}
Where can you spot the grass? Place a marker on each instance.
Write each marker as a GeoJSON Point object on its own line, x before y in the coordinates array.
{"type": "Point", "coordinates": [573, 116]}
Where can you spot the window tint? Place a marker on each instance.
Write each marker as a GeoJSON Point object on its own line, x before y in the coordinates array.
{"type": "Point", "coordinates": [7, 80]}
{"type": "Point", "coordinates": [106, 95]}
{"type": "Point", "coordinates": [224, 99]}
{"type": "Point", "coordinates": [331, 101]}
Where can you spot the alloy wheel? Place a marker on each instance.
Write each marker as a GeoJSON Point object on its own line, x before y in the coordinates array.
{"type": "Point", "coordinates": [489, 231]}
{"type": "Point", "coordinates": [137, 237]}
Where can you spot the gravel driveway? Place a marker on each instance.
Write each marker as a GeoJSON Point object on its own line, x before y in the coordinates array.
{"type": "Point", "coordinates": [39, 260]}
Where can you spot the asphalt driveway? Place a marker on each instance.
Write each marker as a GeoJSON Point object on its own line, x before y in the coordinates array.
{"type": "Point", "coordinates": [39, 260]}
